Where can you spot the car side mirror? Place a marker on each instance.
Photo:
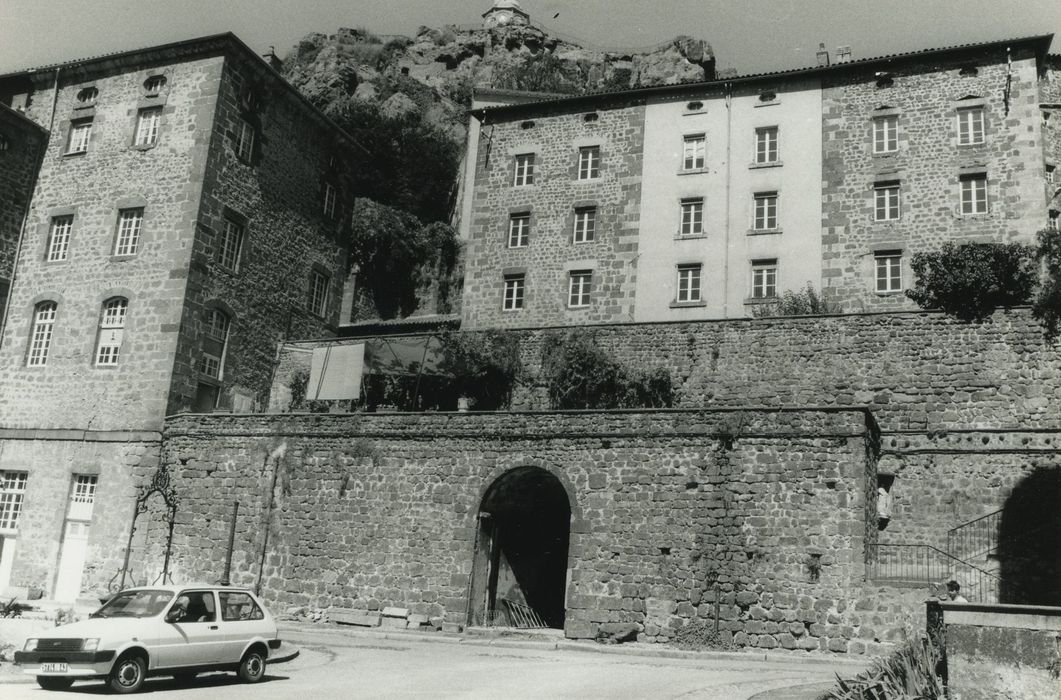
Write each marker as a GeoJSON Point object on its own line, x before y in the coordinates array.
{"type": "Point", "coordinates": [173, 615]}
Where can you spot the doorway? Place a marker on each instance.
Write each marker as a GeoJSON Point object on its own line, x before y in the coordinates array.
{"type": "Point", "coordinates": [519, 572]}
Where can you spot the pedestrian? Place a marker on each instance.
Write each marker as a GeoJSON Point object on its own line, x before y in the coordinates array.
{"type": "Point", "coordinates": [954, 592]}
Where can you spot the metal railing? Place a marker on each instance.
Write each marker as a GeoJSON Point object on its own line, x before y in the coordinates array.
{"type": "Point", "coordinates": [975, 539]}
{"type": "Point", "coordinates": [926, 565]}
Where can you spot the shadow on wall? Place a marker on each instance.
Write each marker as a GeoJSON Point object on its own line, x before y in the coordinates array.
{"type": "Point", "coordinates": [1029, 540]}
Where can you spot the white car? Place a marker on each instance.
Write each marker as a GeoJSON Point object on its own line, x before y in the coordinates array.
{"type": "Point", "coordinates": [174, 631]}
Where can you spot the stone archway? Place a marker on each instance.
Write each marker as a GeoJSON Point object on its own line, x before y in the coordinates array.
{"type": "Point", "coordinates": [519, 571]}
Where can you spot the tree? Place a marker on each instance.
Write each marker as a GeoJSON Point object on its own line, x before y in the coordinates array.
{"type": "Point", "coordinates": [1047, 304]}
{"type": "Point", "coordinates": [970, 280]}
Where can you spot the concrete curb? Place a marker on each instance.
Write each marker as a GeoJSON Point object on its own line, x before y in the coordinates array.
{"type": "Point", "coordinates": [562, 644]}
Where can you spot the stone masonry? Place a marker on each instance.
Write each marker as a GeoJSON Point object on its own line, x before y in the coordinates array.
{"type": "Point", "coordinates": [366, 511]}
{"type": "Point", "coordinates": [554, 138]}
{"type": "Point", "coordinates": [21, 144]}
{"type": "Point", "coordinates": [925, 98]}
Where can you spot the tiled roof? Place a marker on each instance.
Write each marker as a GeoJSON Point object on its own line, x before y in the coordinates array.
{"type": "Point", "coordinates": [1043, 39]}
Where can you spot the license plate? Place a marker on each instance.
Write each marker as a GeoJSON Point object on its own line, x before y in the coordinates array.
{"type": "Point", "coordinates": [53, 668]}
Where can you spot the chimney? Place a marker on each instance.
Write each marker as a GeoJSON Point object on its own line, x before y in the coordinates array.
{"type": "Point", "coordinates": [272, 59]}
{"type": "Point", "coordinates": [843, 54]}
{"type": "Point", "coordinates": [823, 55]}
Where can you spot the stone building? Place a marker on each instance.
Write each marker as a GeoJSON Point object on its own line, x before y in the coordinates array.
{"type": "Point", "coordinates": [21, 142]}
{"type": "Point", "coordinates": [704, 200]}
{"type": "Point", "coordinates": [188, 214]}
{"type": "Point", "coordinates": [505, 13]}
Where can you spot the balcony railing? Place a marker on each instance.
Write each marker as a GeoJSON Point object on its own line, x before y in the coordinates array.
{"type": "Point", "coordinates": [923, 564]}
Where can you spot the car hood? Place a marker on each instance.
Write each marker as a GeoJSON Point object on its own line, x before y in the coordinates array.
{"type": "Point", "coordinates": [96, 627]}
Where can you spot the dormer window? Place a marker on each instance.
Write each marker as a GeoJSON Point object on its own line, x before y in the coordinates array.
{"type": "Point", "coordinates": [153, 85]}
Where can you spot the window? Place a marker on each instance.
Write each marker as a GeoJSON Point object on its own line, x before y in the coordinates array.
{"type": "Point", "coordinates": [12, 491]}
{"type": "Point", "coordinates": [970, 126]}
{"type": "Point", "coordinates": [766, 145]}
{"type": "Point", "coordinates": [524, 170]}
{"type": "Point", "coordinates": [318, 293]}
{"type": "Point", "coordinates": [244, 140]}
{"type": "Point", "coordinates": [41, 335]}
{"type": "Point", "coordinates": [59, 238]}
{"type": "Point", "coordinates": [79, 135]}
{"type": "Point", "coordinates": [689, 283]}
{"type": "Point", "coordinates": [515, 287]}
{"type": "Point", "coordinates": [578, 288]}
{"type": "Point", "coordinates": [589, 162]}
{"type": "Point", "coordinates": [130, 221]}
{"type": "Point", "coordinates": [329, 200]}
{"type": "Point", "coordinates": [86, 96]}
{"type": "Point", "coordinates": [1051, 221]}
{"type": "Point", "coordinates": [230, 245]}
{"type": "Point", "coordinates": [154, 85]}
{"type": "Point", "coordinates": [215, 341]}
{"type": "Point", "coordinates": [111, 331]}
{"type": "Point", "coordinates": [886, 134]}
{"type": "Point", "coordinates": [237, 606]}
{"type": "Point", "coordinates": [889, 271]}
{"type": "Point", "coordinates": [694, 152]}
{"type": "Point", "coordinates": [886, 201]}
{"type": "Point", "coordinates": [765, 217]}
{"type": "Point", "coordinates": [82, 497]}
{"type": "Point", "coordinates": [974, 193]}
{"type": "Point", "coordinates": [692, 217]}
{"type": "Point", "coordinates": [585, 224]}
{"type": "Point", "coordinates": [147, 124]}
{"type": "Point", "coordinates": [518, 230]}
{"type": "Point", "coordinates": [764, 279]}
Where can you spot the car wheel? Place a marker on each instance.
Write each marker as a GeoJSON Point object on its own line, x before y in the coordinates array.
{"type": "Point", "coordinates": [54, 683]}
{"type": "Point", "coordinates": [127, 676]}
{"type": "Point", "coordinates": [252, 667]}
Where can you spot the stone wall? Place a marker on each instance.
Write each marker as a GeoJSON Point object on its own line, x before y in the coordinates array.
{"type": "Point", "coordinates": [121, 462]}
{"type": "Point", "coordinates": [376, 510]}
{"type": "Point", "coordinates": [21, 144]}
{"type": "Point", "coordinates": [1003, 652]}
{"type": "Point", "coordinates": [278, 197]}
{"type": "Point", "coordinates": [71, 390]}
{"type": "Point", "coordinates": [927, 165]}
{"type": "Point", "coordinates": [554, 137]}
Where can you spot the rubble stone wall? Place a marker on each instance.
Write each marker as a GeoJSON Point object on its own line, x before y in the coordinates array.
{"type": "Point", "coordinates": [774, 506]}
{"type": "Point", "coordinates": [278, 197]}
{"type": "Point", "coordinates": [551, 253]}
{"type": "Point", "coordinates": [21, 143]}
{"type": "Point", "coordinates": [927, 164]}
{"type": "Point", "coordinates": [120, 461]}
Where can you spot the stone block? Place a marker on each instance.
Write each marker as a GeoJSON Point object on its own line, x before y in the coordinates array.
{"type": "Point", "coordinates": [360, 618]}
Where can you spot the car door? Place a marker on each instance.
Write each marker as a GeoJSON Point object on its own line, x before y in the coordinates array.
{"type": "Point", "coordinates": [243, 620]}
{"type": "Point", "coordinates": [195, 637]}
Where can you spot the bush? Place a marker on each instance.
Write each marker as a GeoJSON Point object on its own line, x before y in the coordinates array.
{"type": "Point", "coordinates": [1047, 304]}
{"type": "Point", "coordinates": [484, 366]}
{"type": "Point", "coordinates": [908, 673]}
{"type": "Point", "coordinates": [969, 281]}
{"type": "Point", "coordinates": [802, 303]}
{"type": "Point", "coordinates": [580, 375]}
{"type": "Point", "coordinates": [700, 635]}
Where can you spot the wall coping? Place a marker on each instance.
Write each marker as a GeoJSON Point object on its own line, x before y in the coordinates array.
{"type": "Point", "coordinates": [1037, 617]}
{"type": "Point", "coordinates": [62, 434]}
{"type": "Point", "coordinates": [676, 322]}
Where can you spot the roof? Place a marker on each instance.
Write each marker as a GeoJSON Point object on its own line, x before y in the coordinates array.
{"type": "Point", "coordinates": [13, 115]}
{"type": "Point", "coordinates": [1041, 43]}
{"type": "Point", "coordinates": [189, 47]}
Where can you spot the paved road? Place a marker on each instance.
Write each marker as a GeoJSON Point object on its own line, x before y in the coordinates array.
{"type": "Point", "coordinates": [368, 666]}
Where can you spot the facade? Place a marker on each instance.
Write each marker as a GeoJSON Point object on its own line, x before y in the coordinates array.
{"type": "Point", "coordinates": [703, 201]}
{"type": "Point", "coordinates": [187, 215]}
{"type": "Point", "coordinates": [21, 147]}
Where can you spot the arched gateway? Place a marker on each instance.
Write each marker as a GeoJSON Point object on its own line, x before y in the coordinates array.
{"type": "Point", "coordinates": [519, 572]}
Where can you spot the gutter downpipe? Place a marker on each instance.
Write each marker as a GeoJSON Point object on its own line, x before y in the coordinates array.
{"type": "Point", "coordinates": [29, 205]}
{"type": "Point", "coordinates": [729, 197]}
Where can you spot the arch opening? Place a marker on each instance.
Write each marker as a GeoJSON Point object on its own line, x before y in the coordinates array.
{"type": "Point", "coordinates": [519, 571]}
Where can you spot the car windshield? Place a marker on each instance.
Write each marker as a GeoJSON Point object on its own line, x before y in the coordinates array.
{"type": "Point", "coordinates": [145, 603]}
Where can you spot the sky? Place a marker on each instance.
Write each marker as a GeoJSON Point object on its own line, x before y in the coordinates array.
{"type": "Point", "coordinates": [748, 35]}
